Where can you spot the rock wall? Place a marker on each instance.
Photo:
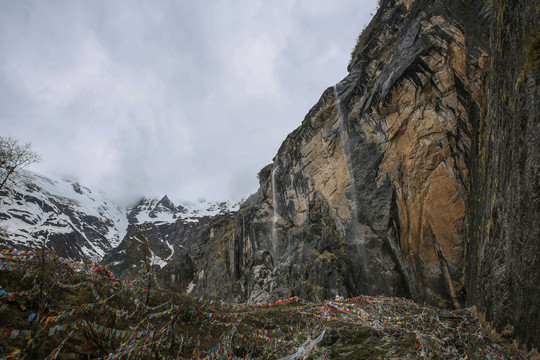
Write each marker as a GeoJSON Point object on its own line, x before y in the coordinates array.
{"type": "Point", "coordinates": [416, 175]}
{"type": "Point", "coordinates": [368, 195]}
{"type": "Point", "coordinates": [503, 252]}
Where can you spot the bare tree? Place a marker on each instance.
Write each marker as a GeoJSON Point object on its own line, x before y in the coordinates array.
{"type": "Point", "coordinates": [14, 157]}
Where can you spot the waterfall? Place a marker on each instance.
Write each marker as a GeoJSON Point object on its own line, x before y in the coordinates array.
{"type": "Point", "coordinates": [274, 198]}
{"type": "Point", "coordinates": [339, 112]}
{"type": "Point", "coordinates": [354, 233]}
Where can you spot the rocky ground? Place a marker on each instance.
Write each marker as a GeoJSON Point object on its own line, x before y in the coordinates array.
{"type": "Point", "coordinates": [52, 307]}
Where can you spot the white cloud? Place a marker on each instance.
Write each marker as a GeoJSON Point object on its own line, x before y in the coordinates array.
{"type": "Point", "coordinates": [179, 97]}
{"type": "Point", "coordinates": [251, 66]}
{"type": "Point", "coordinates": [96, 153]}
{"type": "Point", "coordinates": [60, 86]}
{"type": "Point", "coordinates": [250, 54]}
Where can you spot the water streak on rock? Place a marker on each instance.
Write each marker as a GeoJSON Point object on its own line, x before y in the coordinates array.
{"type": "Point", "coordinates": [274, 200]}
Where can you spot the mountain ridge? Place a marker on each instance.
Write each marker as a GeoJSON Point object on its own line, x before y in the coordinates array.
{"type": "Point", "coordinates": [79, 222]}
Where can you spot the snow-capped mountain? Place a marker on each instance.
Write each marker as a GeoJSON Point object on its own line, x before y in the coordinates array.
{"type": "Point", "coordinates": [76, 221]}
{"type": "Point", "coordinates": [81, 224]}
{"type": "Point", "coordinates": [164, 211]}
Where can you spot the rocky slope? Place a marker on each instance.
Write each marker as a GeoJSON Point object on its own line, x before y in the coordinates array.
{"type": "Point", "coordinates": [89, 314]}
{"type": "Point", "coordinates": [503, 253]}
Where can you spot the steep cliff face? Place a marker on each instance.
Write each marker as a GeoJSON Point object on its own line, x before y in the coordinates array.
{"type": "Point", "coordinates": [503, 252]}
{"type": "Point", "coordinates": [368, 195]}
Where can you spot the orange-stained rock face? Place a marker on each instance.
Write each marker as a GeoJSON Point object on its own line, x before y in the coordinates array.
{"type": "Point", "coordinates": [368, 195]}
{"type": "Point", "coordinates": [422, 124]}
{"type": "Point", "coordinates": [375, 178]}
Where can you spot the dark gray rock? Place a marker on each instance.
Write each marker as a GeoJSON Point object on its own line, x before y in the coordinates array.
{"type": "Point", "coordinates": [503, 253]}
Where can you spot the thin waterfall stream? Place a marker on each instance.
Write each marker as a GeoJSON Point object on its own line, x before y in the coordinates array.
{"type": "Point", "coordinates": [274, 199]}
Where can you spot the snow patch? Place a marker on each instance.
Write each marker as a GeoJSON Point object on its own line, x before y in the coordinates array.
{"type": "Point", "coordinates": [190, 287]}
{"type": "Point", "coordinates": [156, 260]}
{"type": "Point", "coordinates": [172, 252]}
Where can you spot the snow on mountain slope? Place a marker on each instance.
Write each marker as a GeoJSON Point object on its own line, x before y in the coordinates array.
{"type": "Point", "coordinates": [78, 222]}
{"type": "Point", "coordinates": [81, 224]}
{"type": "Point", "coordinates": [164, 211]}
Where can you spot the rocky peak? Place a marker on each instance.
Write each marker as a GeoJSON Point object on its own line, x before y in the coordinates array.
{"type": "Point", "coordinates": [166, 203]}
{"type": "Point", "coordinates": [163, 206]}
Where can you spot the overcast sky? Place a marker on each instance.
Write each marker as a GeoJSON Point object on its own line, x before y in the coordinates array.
{"type": "Point", "coordinates": [185, 98]}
